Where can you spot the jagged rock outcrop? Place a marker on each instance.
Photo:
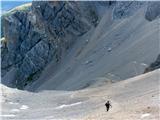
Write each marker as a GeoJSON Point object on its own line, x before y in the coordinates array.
{"type": "Point", "coordinates": [35, 37]}
{"type": "Point", "coordinates": [153, 10]}
{"type": "Point", "coordinates": [153, 66]}
{"type": "Point", "coordinates": [125, 9]}
{"type": "Point", "coordinates": [45, 30]}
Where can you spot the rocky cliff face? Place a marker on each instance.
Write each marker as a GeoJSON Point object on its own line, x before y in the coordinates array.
{"type": "Point", "coordinates": [153, 11]}
{"type": "Point", "coordinates": [155, 65]}
{"type": "Point", "coordinates": [44, 31]}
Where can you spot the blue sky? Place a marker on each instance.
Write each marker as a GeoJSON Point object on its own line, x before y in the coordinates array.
{"type": "Point", "coordinates": [7, 5]}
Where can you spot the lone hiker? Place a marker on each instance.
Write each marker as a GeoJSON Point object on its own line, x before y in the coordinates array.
{"type": "Point", "coordinates": [108, 105]}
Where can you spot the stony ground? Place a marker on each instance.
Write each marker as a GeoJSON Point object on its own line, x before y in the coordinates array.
{"type": "Point", "coordinates": [133, 99]}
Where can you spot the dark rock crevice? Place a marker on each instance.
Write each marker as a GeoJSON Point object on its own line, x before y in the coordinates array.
{"type": "Point", "coordinates": [153, 66]}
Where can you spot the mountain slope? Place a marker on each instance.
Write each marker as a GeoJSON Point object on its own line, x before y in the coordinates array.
{"type": "Point", "coordinates": [123, 50]}
{"type": "Point", "coordinates": [69, 45]}
{"type": "Point", "coordinates": [131, 99]}
{"type": "Point", "coordinates": [69, 58]}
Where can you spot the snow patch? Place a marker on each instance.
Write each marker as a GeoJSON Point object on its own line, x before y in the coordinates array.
{"type": "Point", "coordinates": [15, 110]}
{"type": "Point", "coordinates": [143, 64]}
{"type": "Point", "coordinates": [13, 103]}
{"type": "Point", "coordinates": [52, 118]}
{"type": "Point", "coordinates": [145, 115]}
{"type": "Point", "coordinates": [23, 107]}
{"type": "Point", "coordinates": [63, 106]}
{"type": "Point", "coordinates": [10, 115]}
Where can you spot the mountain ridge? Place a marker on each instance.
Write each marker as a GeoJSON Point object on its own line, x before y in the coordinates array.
{"type": "Point", "coordinates": [35, 37]}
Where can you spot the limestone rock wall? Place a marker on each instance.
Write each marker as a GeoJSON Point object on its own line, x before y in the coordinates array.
{"type": "Point", "coordinates": [42, 33]}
